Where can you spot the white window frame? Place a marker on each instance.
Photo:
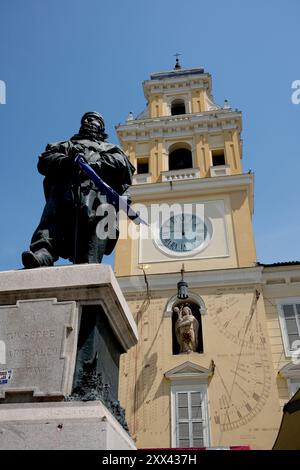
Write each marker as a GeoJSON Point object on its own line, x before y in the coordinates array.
{"type": "Point", "coordinates": [191, 149]}
{"type": "Point", "coordinates": [185, 97]}
{"type": "Point", "coordinates": [284, 333]}
{"type": "Point", "coordinates": [189, 387]}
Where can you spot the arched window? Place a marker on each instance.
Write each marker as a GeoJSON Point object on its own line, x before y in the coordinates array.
{"type": "Point", "coordinates": [177, 107]}
{"type": "Point", "coordinates": [196, 313]}
{"type": "Point", "coordinates": [180, 158]}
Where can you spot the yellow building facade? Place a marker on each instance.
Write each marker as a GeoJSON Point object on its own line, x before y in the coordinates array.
{"type": "Point", "coordinates": [229, 390]}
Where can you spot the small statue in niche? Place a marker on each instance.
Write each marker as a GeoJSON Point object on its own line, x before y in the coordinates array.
{"type": "Point", "coordinates": [186, 329]}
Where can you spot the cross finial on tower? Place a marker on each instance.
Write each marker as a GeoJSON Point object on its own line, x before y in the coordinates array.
{"type": "Point", "coordinates": [177, 65]}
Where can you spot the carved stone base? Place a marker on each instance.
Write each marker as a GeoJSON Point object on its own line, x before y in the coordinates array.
{"type": "Point", "coordinates": [62, 331]}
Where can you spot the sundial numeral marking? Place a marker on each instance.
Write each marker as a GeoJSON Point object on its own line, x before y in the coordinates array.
{"type": "Point", "coordinates": [217, 419]}
{"type": "Point", "coordinates": [248, 406]}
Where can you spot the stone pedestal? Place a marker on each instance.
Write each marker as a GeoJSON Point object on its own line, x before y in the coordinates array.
{"type": "Point", "coordinates": [61, 426]}
{"type": "Point", "coordinates": [46, 315]}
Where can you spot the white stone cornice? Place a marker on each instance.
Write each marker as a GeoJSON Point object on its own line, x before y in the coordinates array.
{"type": "Point", "coordinates": [172, 128]}
{"type": "Point", "coordinates": [83, 283]}
{"type": "Point", "coordinates": [162, 82]}
{"type": "Point", "coordinates": [196, 279]}
{"type": "Point", "coordinates": [281, 274]}
{"type": "Point", "coordinates": [168, 88]}
{"type": "Point", "coordinates": [197, 186]}
{"type": "Point", "coordinates": [171, 74]}
{"type": "Point", "coordinates": [206, 119]}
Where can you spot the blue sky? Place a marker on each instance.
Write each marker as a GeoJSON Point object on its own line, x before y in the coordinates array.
{"type": "Point", "coordinates": [60, 58]}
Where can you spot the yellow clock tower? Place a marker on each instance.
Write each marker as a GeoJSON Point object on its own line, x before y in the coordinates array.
{"type": "Point", "coordinates": [214, 384]}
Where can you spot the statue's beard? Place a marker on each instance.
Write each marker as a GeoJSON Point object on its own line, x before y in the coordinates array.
{"type": "Point", "coordinates": [91, 131]}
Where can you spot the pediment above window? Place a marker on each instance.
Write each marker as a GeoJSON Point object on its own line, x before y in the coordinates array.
{"type": "Point", "coordinates": [290, 371]}
{"type": "Point", "coordinates": [189, 370]}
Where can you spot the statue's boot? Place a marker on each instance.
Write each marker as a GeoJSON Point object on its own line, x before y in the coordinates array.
{"type": "Point", "coordinates": [37, 259]}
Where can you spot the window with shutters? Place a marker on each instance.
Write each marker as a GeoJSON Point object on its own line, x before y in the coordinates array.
{"type": "Point", "coordinates": [191, 426]}
{"type": "Point", "coordinates": [289, 316]}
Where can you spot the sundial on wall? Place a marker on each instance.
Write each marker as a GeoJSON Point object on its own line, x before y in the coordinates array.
{"type": "Point", "coordinates": [242, 377]}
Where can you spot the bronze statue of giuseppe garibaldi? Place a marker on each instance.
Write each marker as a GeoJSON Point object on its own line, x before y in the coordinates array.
{"type": "Point", "coordinates": [68, 224]}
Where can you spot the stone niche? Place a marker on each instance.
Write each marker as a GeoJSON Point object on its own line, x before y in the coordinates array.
{"type": "Point", "coordinates": [62, 331]}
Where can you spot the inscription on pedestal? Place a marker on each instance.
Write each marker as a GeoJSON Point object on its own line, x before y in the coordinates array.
{"type": "Point", "coordinates": [38, 347]}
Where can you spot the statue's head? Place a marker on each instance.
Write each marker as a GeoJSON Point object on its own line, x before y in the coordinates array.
{"type": "Point", "coordinates": [186, 310]}
{"type": "Point", "coordinates": [92, 124]}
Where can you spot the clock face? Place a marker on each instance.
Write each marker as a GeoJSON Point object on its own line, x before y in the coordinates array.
{"type": "Point", "coordinates": [184, 234]}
